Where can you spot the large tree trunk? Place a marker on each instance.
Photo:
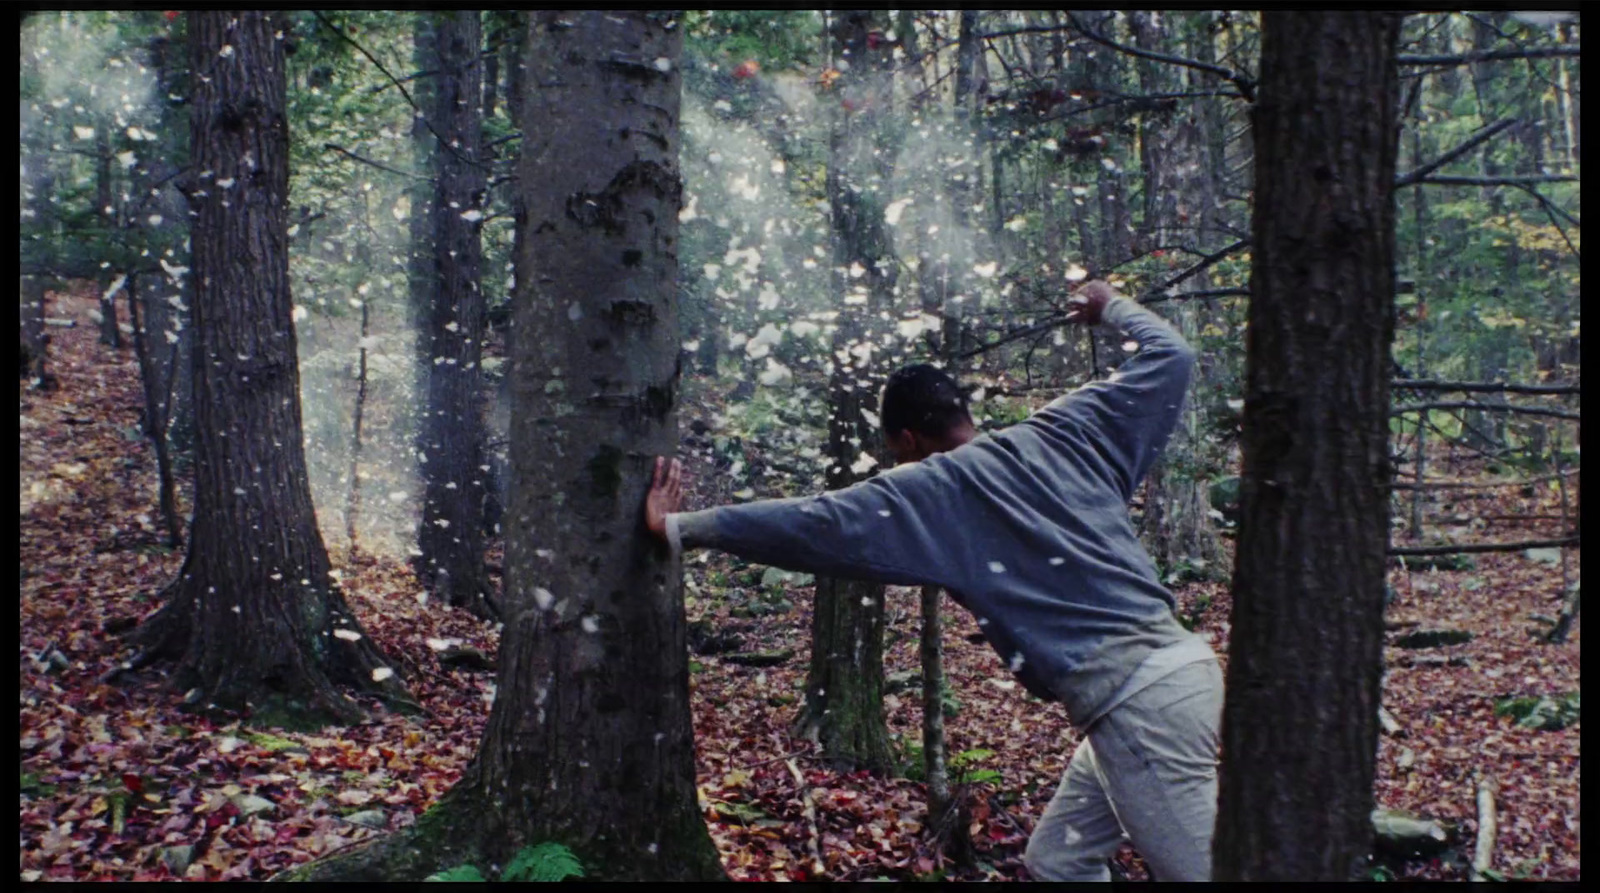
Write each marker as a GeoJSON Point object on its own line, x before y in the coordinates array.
{"type": "Point", "coordinates": [452, 436]}
{"type": "Point", "coordinates": [589, 743]}
{"type": "Point", "coordinates": [254, 615]}
{"type": "Point", "coordinates": [1305, 657]}
{"type": "Point", "coordinates": [843, 706]}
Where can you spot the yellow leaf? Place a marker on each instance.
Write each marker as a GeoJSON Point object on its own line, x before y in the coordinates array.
{"type": "Point", "coordinates": [735, 778]}
{"type": "Point", "coordinates": [98, 806]}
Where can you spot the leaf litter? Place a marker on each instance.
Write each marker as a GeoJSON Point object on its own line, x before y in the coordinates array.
{"type": "Point", "coordinates": [118, 785]}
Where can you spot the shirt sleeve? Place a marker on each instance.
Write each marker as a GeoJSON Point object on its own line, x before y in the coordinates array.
{"type": "Point", "coordinates": [872, 530]}
{"type": "Point", "coordinates": [1130, 415]}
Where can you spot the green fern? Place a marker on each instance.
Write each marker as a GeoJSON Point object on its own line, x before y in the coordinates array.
{"type": "Point", "coordinates": [548, 861]}
{"type": "Point", "coordinates": [459, 874]}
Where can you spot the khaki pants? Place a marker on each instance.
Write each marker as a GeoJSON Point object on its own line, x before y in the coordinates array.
{"type": "Point", "coordinates": [1146, 772]}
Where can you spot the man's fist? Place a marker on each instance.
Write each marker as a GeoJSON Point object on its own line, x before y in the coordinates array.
{"type": "Point", "coordinates": [1088, 303]}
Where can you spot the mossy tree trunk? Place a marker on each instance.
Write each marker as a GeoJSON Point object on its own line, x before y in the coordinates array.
{"type": "Point", "coordinates": [843, 707]}
{"type": "Point", "coordinates": [1305, 660]}
{"type": "Point", "coordinates": [254, 618]}
{"type": "Point", "coordinates": [589, 743]}
{"type": "Point", "coordinates": [452, 433]}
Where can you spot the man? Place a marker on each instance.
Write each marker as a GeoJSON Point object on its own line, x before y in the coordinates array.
{"type": "Point", "coordinates": [1028, 529]}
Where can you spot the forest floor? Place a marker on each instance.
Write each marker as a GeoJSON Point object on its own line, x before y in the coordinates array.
{"type": "Point", "coordinates": [116, 782]}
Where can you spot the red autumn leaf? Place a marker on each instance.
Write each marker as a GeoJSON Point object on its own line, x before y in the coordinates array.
{"type": "Point", "coordinates": [1158, 253]}
{"type": "Point", "coordinates": [133, 782]}
{"type": "Point", "coordinates": [874, 39]}
{"type": "Point", "coordinates": [171, 14]}
{"type": "Point", "coordinates": [746, 69]}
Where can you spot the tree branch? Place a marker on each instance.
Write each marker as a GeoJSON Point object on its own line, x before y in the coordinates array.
{"type": "Point", "coordinates": [1483, 547]}
{"type": "Point", "coordinates": [1485, 407]}
{"type": "Point", "coordinates": [1453, 180]}
{"type": "Point", "coordinates": [1471, 143]}
{"type": "Point", "coordinates": [1497, 387]}
{"type": "Point", "coordinates": [379, 165]}
{"type": "Point", "coordinates": [1472, 485]}
{"type": "Point", "coordinates": [1488, 56]}
{"type": "Point", "coordinates": [1245, 83]}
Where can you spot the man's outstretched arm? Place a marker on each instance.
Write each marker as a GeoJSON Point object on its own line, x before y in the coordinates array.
{"type": "Point", "coordinates": [872, 530]}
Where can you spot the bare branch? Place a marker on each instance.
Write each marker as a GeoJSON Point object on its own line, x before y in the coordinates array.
{"type": "Point", "coordinates": [1525, 180]}
{"type": "Point", "coordinates": [1473, 485]}
{"type": "Point", "coordinates": [1497, 387]}
{"type": "Point", "coordinates": [1486, 407]}
{"type": "Point", "coordinates": [1483, 547]}
{"type": "Point", "coordinates": [1245, 83]}
{"type": "Point", "coordinates": [1471, 143]}
{"type": "Point", "coordinates": [380, 166]}
{"type": "Point", "coordinates": [1488, 56]}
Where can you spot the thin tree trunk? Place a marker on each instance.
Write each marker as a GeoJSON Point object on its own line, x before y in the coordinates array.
{"type": "Point", "coordinates": [157, 404]}
{"type": "Point", "coordinates": [947, 816]}
{"type": "Point", "coordinates": [1305, 656]}
{"type": "Point", "coordinates": [352, 505]}
{"type": "Point", "coordinates": [843, 708]}
{"type": "Point", "coordinates": [452, 435]}
{"type": "Point", "coordinates": [105, 211]}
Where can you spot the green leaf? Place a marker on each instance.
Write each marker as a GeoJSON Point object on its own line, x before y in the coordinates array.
{"type": "Point", "coordinates": [548, 861]}
{"type": "Point", "coordinates": [458, 874]}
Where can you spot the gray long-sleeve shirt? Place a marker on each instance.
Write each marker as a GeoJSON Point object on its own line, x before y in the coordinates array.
{"type": "Point", "coordinates": [1026, 527]}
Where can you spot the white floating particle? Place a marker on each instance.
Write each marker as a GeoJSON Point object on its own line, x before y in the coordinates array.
{"type": "Point", "coordinates": [349, 635]}
{"type": "Point", "coordinates": [986, 270]}
{"type": "Point", "coordinates": [83, 133]}
{"type": "Point", "coordinates": [154, 219]}
{"type": "Point", "coordinates": [238, 491]}
{"type": "Point", "coordinates": [866, 601]}
{"type": "Point", "coordinates": [381, 673]}
{"type": "Point", "coordinates": [863, 464]}
{"type": "Point", "coordinates": [443, 522]}
{"type": "Point", "coordinates": [590, 625]}
{"type": "Point", "coordinates": [472, 216]}
{"type": "Point", "coordinates": [1075, 273]}
{"type": "Point", "coordinates": [439, 644]}
{"type": "Point", "coordinates": [997, 567]}
{"type": "Point", "coordinates": [543, 598]}
{"type": "Point", "coordinates": [891, 213]}
{"type": "Point", "coordinates": [1016, 662]}
{"type": "Point", "coordinates": [397, 496]}
{"type": "Point", "coordinates": [746, 493]}
{"type": "Point", "coordinates": [663, 64]}
{"type": "Point", "coordinates": [1057, 561]}
{"type": "Point", "coordinates": [1130, 346]}
{"type": "Point", "coordinates": [574, 312]}
{"type": "Point", "coordinates": [885, 513]}
{"type": "Point", "coordinates": [226, 184]}
{"type": "Point", "coordinates": [226, 51]}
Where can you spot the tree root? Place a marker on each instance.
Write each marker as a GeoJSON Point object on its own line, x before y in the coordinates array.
{"type": "Point", "coordinates": [442, 838]}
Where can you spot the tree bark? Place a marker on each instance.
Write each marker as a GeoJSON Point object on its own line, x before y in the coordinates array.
{"type": "Point", "coordinates": [1305, 659]}
{"type": "Point", "coordinates": [843, 708]}
{"type": "Point", "coordinates": [947, 817]}
{"type": "Point", "coordinates": [105, 212]}
{"type": "Point", "coordinates": [254, 617]}
{"type": "Point", "coordinates": [589, 743]}
{"type": "Point", "coordinates": [453, 433]}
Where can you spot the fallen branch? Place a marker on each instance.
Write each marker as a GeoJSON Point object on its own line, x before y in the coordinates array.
{"type": "Point", "coordinates": [1486, 407]}
{"type": "Point", "coordinates": [1483, 851]}
{"type": "Point", "coordinates": [1423, 384]}
{"type": "Point", "coordinates": [1483, 547]}
{"type": "Point", "coordinates": [817, 866]}
{"type": "Point", "coordinates": [1470, 485]}
{"type": "Point", "coordinates": [1471, 143]}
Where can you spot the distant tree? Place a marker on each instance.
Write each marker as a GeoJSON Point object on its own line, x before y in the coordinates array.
{"type": "Point", "coordinates": [452, 433]}
{"type": "Point", "coordinates": [1305, 651]}
{"type": "Point", "coordinates": [589, 743]}
{"type": "Point", "coordinates": [843, 706]}
{"type": "Point", "coordinates": [255, 618]}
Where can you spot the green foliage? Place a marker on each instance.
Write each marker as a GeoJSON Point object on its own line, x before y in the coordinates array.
{"type": "Point", "coordinates": [458, 874]}
{"type": "Point", "coordinates": [1541, 712]}
{"type": "Point", "coordinates": [541, 862]}
{"type": "Point", "coordinates": [548, 861]}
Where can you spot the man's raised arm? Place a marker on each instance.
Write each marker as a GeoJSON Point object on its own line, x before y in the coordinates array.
{"type": "Point", "coordinates": [1136, 408]}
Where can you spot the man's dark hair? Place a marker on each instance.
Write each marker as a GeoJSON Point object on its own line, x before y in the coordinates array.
{"type": "Point", "coordinates": [923, 399]}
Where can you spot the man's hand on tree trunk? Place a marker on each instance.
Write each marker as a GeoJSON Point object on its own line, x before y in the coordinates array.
{"type": "Point", "coordinates": [665, 497]}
